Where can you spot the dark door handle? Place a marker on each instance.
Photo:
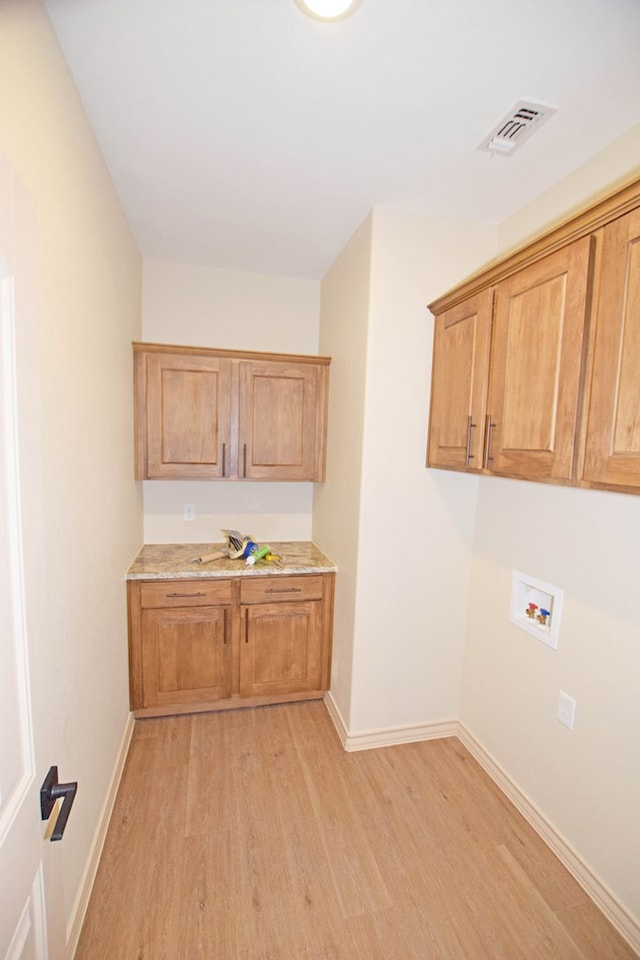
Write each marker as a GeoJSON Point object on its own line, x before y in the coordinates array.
{"type": "Point", "coordinates": [50, 791]}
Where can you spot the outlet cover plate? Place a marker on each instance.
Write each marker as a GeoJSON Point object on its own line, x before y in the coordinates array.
{"type": "Point", "coordinates": [536, 607]}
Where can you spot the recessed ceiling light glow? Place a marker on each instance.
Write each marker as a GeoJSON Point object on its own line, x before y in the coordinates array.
{"type": "Point", "coordinates": [328, 9]}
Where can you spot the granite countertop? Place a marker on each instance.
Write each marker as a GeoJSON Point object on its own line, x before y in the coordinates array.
{"type": "Point", "coordinates": [168, 561]}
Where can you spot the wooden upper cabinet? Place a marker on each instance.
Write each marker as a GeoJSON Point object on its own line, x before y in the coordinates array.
{"type": "Point", "coordinates": [186, 416]}
{"type": "Point", "coordinates": [462, 340]}
{"type": "Point", "coordinates": [612, 451]}
{"type": "Point", "coordinates": [563, 403]}
{"type": "Point", "coordinates": [280, 423]}
{"type": "Point", "coordinates": [206, 414]}
{"type": "Point", "coordinates": [536, 366]}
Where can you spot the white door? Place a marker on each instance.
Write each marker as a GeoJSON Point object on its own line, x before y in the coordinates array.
{"type": "Point", "coordinates": [28, 930]}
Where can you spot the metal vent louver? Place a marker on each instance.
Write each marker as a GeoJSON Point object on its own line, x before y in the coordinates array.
{"type": "Point", "coordinates": [516, 127]}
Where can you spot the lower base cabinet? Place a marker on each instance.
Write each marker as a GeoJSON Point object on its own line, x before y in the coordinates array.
{"type": "Point", "coordinates": [213, 644]}
{"type": "Point", "coordinates": [281, 646]}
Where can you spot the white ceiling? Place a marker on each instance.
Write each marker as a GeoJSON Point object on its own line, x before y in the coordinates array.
{"type": "Point", "coordinates": [241, 134]}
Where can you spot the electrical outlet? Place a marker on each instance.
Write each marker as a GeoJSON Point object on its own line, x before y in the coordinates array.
{"type": "Point", "coordinates": [566, 710]}
{"type": "Point", "coordinates": [189, 511]}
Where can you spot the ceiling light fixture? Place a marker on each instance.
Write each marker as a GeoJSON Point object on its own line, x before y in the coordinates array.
{"type": "Point", "coordinates": [328, 9]}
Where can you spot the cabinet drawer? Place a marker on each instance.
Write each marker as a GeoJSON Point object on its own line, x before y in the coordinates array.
{"type": "Point", "coordinates": [273, 589]}
{"type": "Point", "coordinates": [185, 593]}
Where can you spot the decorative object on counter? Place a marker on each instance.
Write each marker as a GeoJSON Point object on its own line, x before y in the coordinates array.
{"type": "Point", "coordinates": [257, 554]}
{"type": "Point", "coordinates": [263, 555]}
{"type": "Point", "coordinates": [240, 547]}
{"type": "Point", "coordinates": [206, 557]}
{"type": "Point", "coordinates": [240, 544]}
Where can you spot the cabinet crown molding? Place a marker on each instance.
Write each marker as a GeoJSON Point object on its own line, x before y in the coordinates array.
{"type": "Point", "coordinates": [142, 347]}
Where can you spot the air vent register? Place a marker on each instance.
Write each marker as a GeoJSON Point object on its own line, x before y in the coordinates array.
{"type": "Point", "coordinates": [516, 127]}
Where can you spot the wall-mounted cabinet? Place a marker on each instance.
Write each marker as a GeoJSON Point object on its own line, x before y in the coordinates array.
{"type": "Point", "coordinates": [459, 383]}
{"type": "Point", "coordinates": [536, 360]}
{"type": "Point", "coordinates": [612, 453]}
{"type": "Point", "coordinates": [206, 414]}
{"type": "Point", "coordinates": [535, 366]}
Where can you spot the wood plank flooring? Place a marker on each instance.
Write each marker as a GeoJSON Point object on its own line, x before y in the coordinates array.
{"type": "Point", "coordinates": [253, 834]}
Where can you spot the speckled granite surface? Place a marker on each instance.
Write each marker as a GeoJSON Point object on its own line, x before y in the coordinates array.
{"type": "Point", "coordinates": [166, 561]}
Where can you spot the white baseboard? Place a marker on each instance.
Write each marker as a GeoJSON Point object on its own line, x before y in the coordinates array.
{"type": "Point", "coordinates": [387, 736]}
{"type": "Point", "coordinates": [336, 716]}
{"type": "Point", "coordinates": [88, 877]}
{"type": "Point", "coordinates": [624, 922]}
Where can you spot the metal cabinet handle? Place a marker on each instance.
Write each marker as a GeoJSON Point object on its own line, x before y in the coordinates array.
{"type": "Point", "coordinates": [246, 626]}
{"type": "Point", "coordinates": [50, 791]}
{"type": "Point", "coordinates": [224, 626]}
{"type": "Point", "coordinates": [468, 455]}
{"type": "Point", "coordinates": [244, 459]}
{"type": "Point", "coordinates": [487, 453]}
{"type": "Point", "coordinates": [224, 459]}
{"type": "Point", "coordinates": [284, 590]}
{"type": "Point", "coordinates": [186, 595]}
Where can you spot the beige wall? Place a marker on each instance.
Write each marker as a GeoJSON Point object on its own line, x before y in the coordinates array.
{"type": "Point", "coordinates": [78, 299]}
{"type": "Point", "coordinates": [601, 175]}
{"type": "Point", "coordinates": [344, 316]}
{"type": "Point", "coordinates": [586, 782]}
{"type": "Point", "coordinates": [416, 525]}
{"type": "Point", "coordinates": [207, 307]}
{"type": "Point", "coordinates": [401, 535]}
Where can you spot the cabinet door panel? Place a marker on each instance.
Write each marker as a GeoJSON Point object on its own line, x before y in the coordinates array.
{"type": "Point", "coordinates": [188, 416]}
{"type": "Point", "coordinates": [185, 655]}
{"type": "Point", "coordinates": [281, 648]}
{"type": "Point", "coordinates": [536, 366]}
{"type": "Point", "coordinates": [612, 453]}
{"type": "Point", "coordinates": [462, 338]}
{"type": "Point", "coordinates": [279, 421]}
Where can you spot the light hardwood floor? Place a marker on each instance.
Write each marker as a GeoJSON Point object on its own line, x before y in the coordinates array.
{"type": "Point", "coordinates": [253, 834]}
